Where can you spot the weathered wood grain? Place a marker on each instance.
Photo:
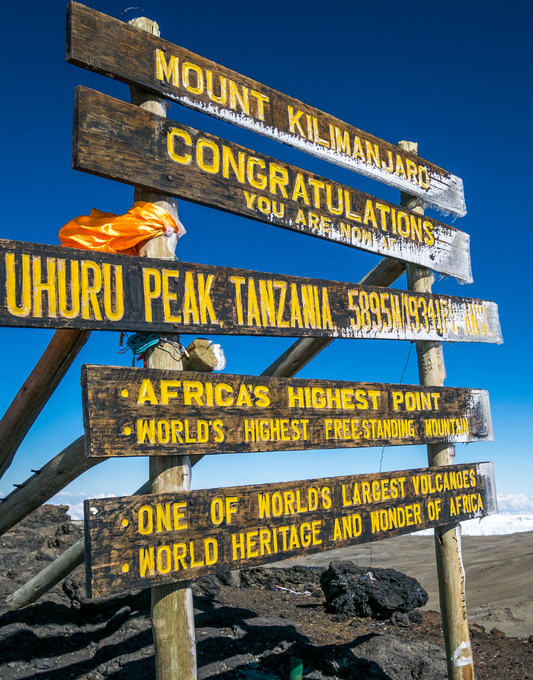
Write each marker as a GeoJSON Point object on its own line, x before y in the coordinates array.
{"type": "Point", "coordinates": [172, 609]}
{"type": "Point", "coordinates": [200, 356]}
{"type": "Point", "coordinates": [119, 141]}
{"type": "Point", "coordinates": [109, 47]}
{"type": "Point", "coordinates": [144, 412]}
{"type": "Point", "coordinates": [55, 287]}
{"type": "Point", "coordinates": [135, 542]}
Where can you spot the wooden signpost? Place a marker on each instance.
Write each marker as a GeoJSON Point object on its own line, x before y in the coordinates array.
{"type": "Point", "coordinates": [56, 287]}
{"type": "Point", "coordinates": [172, 535]}
{"type": "Point", "coordinates": [123, 142]}
{"type": "Point", "coordinates": [140, 541]}
{"type": "Point", "coordinates": [146, 412]}
{"type": "Point", "coordinates": [186, 78]}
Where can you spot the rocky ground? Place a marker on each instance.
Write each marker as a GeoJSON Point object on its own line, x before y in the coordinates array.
{"type": "Point", "coordinates": [246, 627]}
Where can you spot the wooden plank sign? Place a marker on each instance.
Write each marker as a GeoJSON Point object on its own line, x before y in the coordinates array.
{"type": "Point", "coordinates": [56, 287]}
{"type": "Point", "coordinates": [123, 142]}
{"type": "Point", "coordinates": [110, 47]}
{"type": "Point", "coordinates": [148, 412]}
{"type": "Point", "coordinates": [140, 541]}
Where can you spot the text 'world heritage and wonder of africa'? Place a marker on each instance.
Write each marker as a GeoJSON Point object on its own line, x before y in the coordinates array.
{"type": "Point", "coordinates": [138, 541]}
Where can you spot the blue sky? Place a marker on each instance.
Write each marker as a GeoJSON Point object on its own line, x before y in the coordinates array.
{"type": "Point", "coordinates": [452, 76]}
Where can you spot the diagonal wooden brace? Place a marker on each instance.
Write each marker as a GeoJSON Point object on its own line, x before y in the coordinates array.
{"type": "Point", "coordinates": [37, 390]}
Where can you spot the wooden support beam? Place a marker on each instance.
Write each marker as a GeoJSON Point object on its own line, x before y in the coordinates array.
{"type": "Point", "coordinates": [37, 390]}
{"type": "Point", "coordinates": [44, 484]}
{"type": "Point", "coordinates": [451, 575]}
{"type": "Point", "coordinates": [200, 356]}
{"type": "Point", "coordinates": [385, 273]}
{"type": "Point", "coordinates": [46, 579]}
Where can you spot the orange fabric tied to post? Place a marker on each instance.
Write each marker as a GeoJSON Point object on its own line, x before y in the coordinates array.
{"type": "Point", "coordinates": [123, 234]}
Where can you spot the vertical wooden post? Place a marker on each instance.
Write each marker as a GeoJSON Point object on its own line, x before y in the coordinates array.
{"type": "Point", "coordinates": [450, 569]}
{"type": "Point", "coordinates": [172, 605]}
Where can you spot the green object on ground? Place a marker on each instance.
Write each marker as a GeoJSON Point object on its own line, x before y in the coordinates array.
{"type": "Point", "coordinates": [297, 668]}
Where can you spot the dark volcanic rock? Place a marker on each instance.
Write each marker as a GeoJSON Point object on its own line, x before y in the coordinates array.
{"type": "Point", "coordinates": [32, 544]}
{"type": "Point", "coordinates": [116, 621]}
{"type": "Point", "coordinates": [415, 617]}
{"type": "Point", "coordinates": [296, 578]}
{"type": "Point", "coordinates": [45, 516]}
{"type": "Point", "coordinates": [247, 633]}
{"type": "Point", "coordinates": [276, 622]}
{"type": "Point", "coordinates": [250, 673]}
{"type": "Point", "coordinates": [349, 590]}
{"type": "Point", "coordinates": [207, 586]}
{"type": "Point", "coordinates": [228, 578]}
{"type": "Point", "coordinates": [74, 588]}
{"type": "Point", "coordinates": [400, 619]}
{"type": "Point", "coordinates": [400, 659]}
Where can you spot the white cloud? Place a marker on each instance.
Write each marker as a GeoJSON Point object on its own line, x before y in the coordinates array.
{"type": "Point", "coordinates": [75, 510]}
{"type": "Point", "coordinates": [515, 503]}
